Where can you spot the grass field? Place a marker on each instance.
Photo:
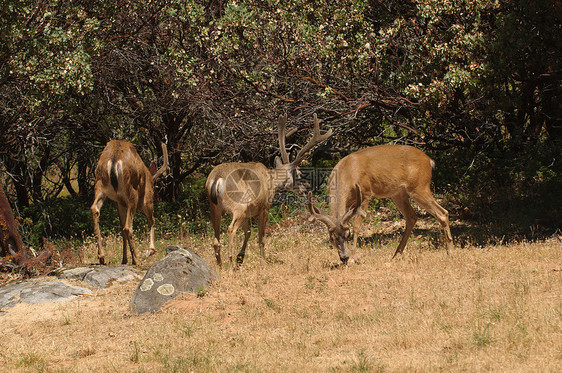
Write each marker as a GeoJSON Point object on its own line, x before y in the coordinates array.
{"type": "Point", "coordinates": [490, 308]}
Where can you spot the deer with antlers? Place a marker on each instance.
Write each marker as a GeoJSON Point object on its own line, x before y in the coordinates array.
{"type": "Point", "coordinates": [245, 190]}
{"type": "Point", "coordinates": [398, 172]}
{"type": "Point", "coordinates": [122, 177]}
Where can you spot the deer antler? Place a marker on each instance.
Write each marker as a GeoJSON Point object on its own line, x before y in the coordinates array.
{"type": "Point", "coordinates": [281, 126]}
{"type": "Point", "coordinates": [164, 167]}
{"type": "Point", "coordinates": [316, 139]}
{"type": "Point", "coordinates": [317, 214]}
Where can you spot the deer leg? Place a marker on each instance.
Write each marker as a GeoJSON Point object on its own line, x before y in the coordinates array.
{"type": "Point", "coordinates": [402, 202]}
{"type": "Point", "coordinates": [247, 232]}
{"type": "Point", "coordinates": [232, 228]}
{"type": "Point", "coordinates": [216, 213]}
{"type": "Point", "coordinates": [122, 210]}
{"type": "Point", "coordinates": [96, 207]}
{"type": "Point", "coordinates": [128, 232]}
{"type": "Point", "coordinates": [262, 222]}
{"type": "Point", "coordinates": [426, 200]}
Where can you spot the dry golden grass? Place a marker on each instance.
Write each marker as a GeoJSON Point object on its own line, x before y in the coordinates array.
{"type": "Point", "coordinates": [497, 308]}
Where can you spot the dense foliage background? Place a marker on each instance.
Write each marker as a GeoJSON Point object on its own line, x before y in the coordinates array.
{"type": "Point", "coordinates": [475, 83]}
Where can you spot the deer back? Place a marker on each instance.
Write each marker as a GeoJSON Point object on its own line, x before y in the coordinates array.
{"type": "Point", "coordinates": [237, 185]}
{"type": "Point", "coordinates": [381, 171]}
{"type": "Point", "coordinates": [122, 171]}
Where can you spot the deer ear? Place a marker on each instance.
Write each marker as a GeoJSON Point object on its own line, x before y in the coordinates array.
{"type": "Point", "coordinates": [351, 212]}
{"type": "Point", "coordinates": [278, 162]}
{"type": "Point", "coordinates": [315, 213]}
{"type": "Point", "coordinates": [355, 208]}
{"type": "Point", "coordinates": [358, 201]}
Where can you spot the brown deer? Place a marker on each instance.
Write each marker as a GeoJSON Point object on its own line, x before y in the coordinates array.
{"type": "Point", "coordinates": [398, 172]}
{"type": "Point", "coordinates": [11, 243]}
{"type": "Point", "coordinates": [246, 190]}
{"type": "Point", "coordinates": [122, 177]}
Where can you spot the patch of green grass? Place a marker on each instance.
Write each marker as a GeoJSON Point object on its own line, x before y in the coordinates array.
{"type": "Point", "coordinates": [193, 360]}
{"type": "Point", "coordinates": [363, 363]}
{"type": "Point", "coordinates": [135, 353]}
{"type": "Point", "coordinates": [271, 304]}
{"type": "Point", "coordinates": [481, 336]}
{"type": "Point", "coordinates": [66, 318]}
{"type": "Point", "coordinates": [188, 329]}
{"type": "Point", "coordinates": [496, 312]}
{"type": "Point", "coordinates": [31, 360]}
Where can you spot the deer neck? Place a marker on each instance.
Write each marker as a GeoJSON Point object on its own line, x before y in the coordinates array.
{"type": "Point", "coordinates": [278, 179]}
{"type": "Point", "coordinates": [338, 199]}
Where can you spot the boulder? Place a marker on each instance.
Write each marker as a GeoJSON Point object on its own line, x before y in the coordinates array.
{"type": "Point", "coordinates": [46, 289]}
{"type": "Point", "coordinates": [100, 277]}
{"type": "Point", "coordinates": [76, 274]}
{"type": "Point", "coordinates": [181, 270]}
{"type": "Point", "coordinates": [39, 291]}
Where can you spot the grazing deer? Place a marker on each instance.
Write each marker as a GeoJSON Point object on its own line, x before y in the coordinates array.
{"type": "Point", "coordinates": [11, 243]}
{"type": "Point", "coordinates": [245, 190]}
{"type": "Point", "coordinates": [122, 177]}
{"type": "Point", "coordinates": [386, 171]}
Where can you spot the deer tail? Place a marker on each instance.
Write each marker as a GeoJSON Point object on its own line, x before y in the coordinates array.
{"type": "Point", "coordinates": [115, 170]}
{"type": "Point", "coordinates": [216, 190]}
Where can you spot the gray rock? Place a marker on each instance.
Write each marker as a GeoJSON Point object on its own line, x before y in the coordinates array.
{"type": "Point", "coordinates": [75, 273]}
{"type": "Point", "coordinates": [44, 289]}
{"type": "Point", "coordinates": [100, 277]}
{"type": "Point", "coordinates": [52, 291]}
{"type": "Point", "coordinates": [39, 291]}
{"type": "Point", "coordinates": [10, 294]}
{"type": "Point", "coordinates": [180, 271]}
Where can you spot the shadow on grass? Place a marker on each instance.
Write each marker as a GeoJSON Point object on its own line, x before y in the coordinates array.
{"type": "Point", "coordinates": [467, 234]}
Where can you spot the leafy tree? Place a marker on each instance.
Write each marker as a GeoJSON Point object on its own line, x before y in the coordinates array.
{"type": "Point", "coordinates": [478, 80]}
{"type": "Point", "coordinates": [45, 68]}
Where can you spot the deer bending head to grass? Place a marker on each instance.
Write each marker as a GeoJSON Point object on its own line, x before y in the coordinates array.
{"type": "Point", "coordinates": [122, 177]}
{"type": "Point", "coordinates": [398, 172]}
{"type": "Point", "coordinates": [245, 190]}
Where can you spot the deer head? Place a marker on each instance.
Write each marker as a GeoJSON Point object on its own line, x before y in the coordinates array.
{"type": "Point", "coordinates": [338, 227]}
{"type": "Point", "coordinates": [287, 173]}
